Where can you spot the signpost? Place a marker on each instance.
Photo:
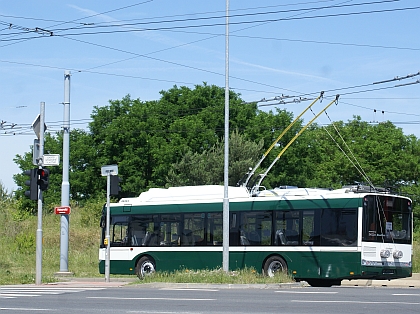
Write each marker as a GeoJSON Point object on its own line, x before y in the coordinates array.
{"type": "Point", "coordinates": [51, 159]}
{"type": "Point", "coordinates": [62, 210]}
{"type": "Point", "coordinates": [108, 171]}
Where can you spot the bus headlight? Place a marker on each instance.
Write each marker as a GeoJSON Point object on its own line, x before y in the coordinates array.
{"type": "Point", "coordinates": [397, 254]}
{"type": "Point", "coordinates": [385, 253]}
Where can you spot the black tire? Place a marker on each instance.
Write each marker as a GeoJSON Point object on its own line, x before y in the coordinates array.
{"type": "Point", "coordinates": [146, 266]}
{"type": "Point", "coordinates": [323, 282]}
{"type": "Point", "coordinates": [273, 265]}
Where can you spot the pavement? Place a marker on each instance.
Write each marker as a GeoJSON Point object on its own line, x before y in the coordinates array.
{"type": "Point", "coordinates": [410, 282]}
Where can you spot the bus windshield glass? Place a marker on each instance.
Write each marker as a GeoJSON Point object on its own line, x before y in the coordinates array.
{"type": "Point", "coordinates": [387, 219]}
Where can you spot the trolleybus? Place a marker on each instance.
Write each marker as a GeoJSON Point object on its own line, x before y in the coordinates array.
{"type": "Point", "coordinates": [316, 235]}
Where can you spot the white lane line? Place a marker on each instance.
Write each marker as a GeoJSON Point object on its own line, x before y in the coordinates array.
{"type": "Point", "coordinates": [308, 292]}
{"type": "Point", "coordinates": [161, 299]}
{"type": "Point", "coordinates": [160, 312]}
{"type": "Point", "coordinates": [29, 292]}
{"type": "Point", "coordinates": [23, 309]}
{"type": "Point", "coordinates": [50, 288]}
{"type": "Point", "coordinates": [18, 295]}
{"type": "Point", "coordinates": [354, 302]}
{"type": "Point", "coordinates": [405, 294]}
{"type": "Point", "coordinates": [189, 289]}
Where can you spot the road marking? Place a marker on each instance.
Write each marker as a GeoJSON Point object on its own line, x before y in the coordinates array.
{"type": "Point", "coordinates": [23, 309]}
{"type": "Point", "coordinates": [307, 292]}
{"type": "Point", "coordinates": [355, 302]}
{"type": "Point", "coordinates": [409, 294]}
{"type": "Point", "coordinates": [24, 291]}
{"type": "Point", "coordinates": [160, 312]}
{"type": "Point", "coordinates": [162, 299]}
{"type": "Point", "coordinates": [189, 289]}
{"type": "Point", "coordinates": [14, 295]}
{"type": "Point", "coordinates": [48, 289]}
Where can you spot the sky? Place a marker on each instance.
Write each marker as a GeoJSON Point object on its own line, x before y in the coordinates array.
{"type": "Point", "coordinates": [288, 50]}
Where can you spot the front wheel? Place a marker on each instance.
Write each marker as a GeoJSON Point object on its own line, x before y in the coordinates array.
{"type": "Point", "coordinates": [145, 267]}
{"type": "Point", "coordinates": [273, 265]}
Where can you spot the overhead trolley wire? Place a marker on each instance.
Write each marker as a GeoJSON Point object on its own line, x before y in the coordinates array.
{"type": "Point", "coordinates": [231, 23]}
{"type": "Point", "coordinates": [303, 10]}
{"type": "Point", "coordinates": [55, 31]}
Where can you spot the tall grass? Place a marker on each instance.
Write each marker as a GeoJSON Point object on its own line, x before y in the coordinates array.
{"type": "Point", "coordinates": [416, 253]}
{"type": "Point", "coordinates": [217, 276]}
{"type": "Point", "coordinates": [18, 245]}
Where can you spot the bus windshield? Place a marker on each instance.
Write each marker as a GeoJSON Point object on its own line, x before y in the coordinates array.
{"type": "Point", "coordinates": [386, 219]}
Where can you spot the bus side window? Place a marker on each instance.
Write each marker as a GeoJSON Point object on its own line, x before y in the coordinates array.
{"type": "Point", "coordinates": [195, 224]}
{"type": "Point", "coordinates": [119, 236]}
{"type": "Point", "coordinates": [287, 226]}
{"type": "Point", "coordinates": [170, 230]}
{"type": "Point", "coordinates": [214, 234]}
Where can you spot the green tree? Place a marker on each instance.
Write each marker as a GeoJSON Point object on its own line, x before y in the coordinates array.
{"type": "Point", "coordinates": [207, 167]}
{"type": "Point", "coordinates": [146, 138]}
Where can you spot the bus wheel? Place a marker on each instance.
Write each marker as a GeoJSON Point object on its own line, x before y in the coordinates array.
{"type": "Point", "coordinates": [145, 267]}
{"type": "Point", "coordinates": [273, 265]}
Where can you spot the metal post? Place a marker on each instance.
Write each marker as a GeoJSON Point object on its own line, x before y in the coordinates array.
{"type": "Point", "coordinates": [38, 276]}
{"type": "Point", "coordinates": [65, 186]}
{"type": "Point", "coordinates": [107, 236]}
{"type": "Point", "coordinates": [226, 166]}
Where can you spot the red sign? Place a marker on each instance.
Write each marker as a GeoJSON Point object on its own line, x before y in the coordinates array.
{"type": "Point", "coordinates": [62, 210]}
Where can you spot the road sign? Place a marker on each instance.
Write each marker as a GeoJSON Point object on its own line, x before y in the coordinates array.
{"type": "Point", "coordinates": [62, 210]}
{"type": "Point", "coordinates": [36, 126]}
{"type": "Point", "coordinates": [51, 160]}
{"type": "Point", "coordinates": [109, 170]}
{"type": "Point", "coordinates": [35, 153]}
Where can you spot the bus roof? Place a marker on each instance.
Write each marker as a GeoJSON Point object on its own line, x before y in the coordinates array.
{"type": "Point", "coordinates": [212, 193]}
{"type": "Point", "coordinates": [187, 193]}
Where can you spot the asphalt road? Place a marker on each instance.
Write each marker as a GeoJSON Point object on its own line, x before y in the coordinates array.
{"type": "Point", "coordinates": [173, 299]}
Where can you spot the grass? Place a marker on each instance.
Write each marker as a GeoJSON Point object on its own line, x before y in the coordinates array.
{"type": "Point", "coordinates": [18, 244]}
{"type": "Point", "coordinates": [416, 253]}
{"type": "Point", "coordinates": [217, 276]}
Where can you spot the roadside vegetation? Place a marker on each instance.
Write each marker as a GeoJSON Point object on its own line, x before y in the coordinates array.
{"type": "Point", "coordinates": [217, 276]}
{"type": "Point", "coordinates": [18, 244]}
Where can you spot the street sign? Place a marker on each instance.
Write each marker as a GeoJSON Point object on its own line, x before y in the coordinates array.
{"type": "Point", "coordinates": [36, 125]}
{"type": "Point", "coordinates": [51, 160]}
{"type": "Point", "coordinates": [62, 210]}
{"type": "Point", "coordinates": [109, 170]}
{"type": "Point", "coordinates": [35, 153]}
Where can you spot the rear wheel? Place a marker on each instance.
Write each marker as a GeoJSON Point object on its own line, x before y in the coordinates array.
{"type": "Point", "coordinates": [273, 265]}
{"type": "Point", "coordinates": [145, 267]}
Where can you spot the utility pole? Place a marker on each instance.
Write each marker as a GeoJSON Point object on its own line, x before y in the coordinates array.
{"type": "Point", "coordinates": [65, 186]}
{"type": "Point", "coordinates": [226, 166]}
{"type": "Point", "coordinates": [38, 276]}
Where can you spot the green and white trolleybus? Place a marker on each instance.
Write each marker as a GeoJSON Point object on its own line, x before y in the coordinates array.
{"type": "Point", "coordinates": [317, 235]}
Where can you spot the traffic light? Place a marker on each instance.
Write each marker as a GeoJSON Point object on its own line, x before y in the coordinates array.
{"type": "Point", "coordinates": [32, 193]}
{"type": "Point", "coordinates": [115, 185]}
{"type": "Point", "coordinates": [43, 178]}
